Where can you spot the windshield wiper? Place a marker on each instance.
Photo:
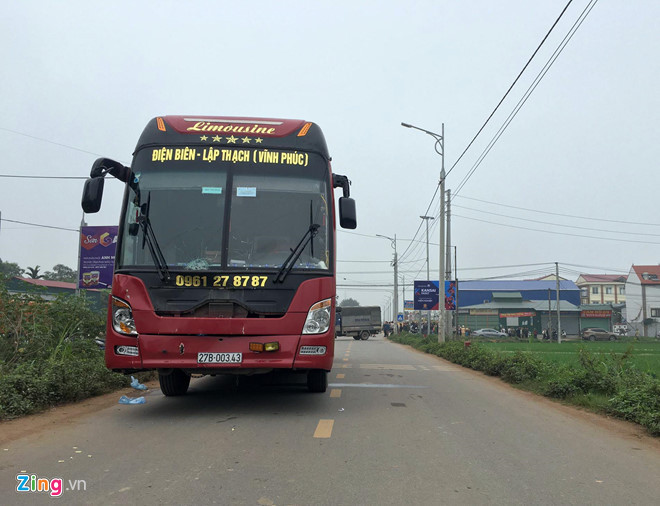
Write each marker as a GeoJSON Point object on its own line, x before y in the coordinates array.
{"type": "Point", "coordinates": [296, 252]}
{"type": "Point", "coordinates": [149, 237]}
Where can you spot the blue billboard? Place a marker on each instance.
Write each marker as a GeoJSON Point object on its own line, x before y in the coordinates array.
{"type": "Point", "coordinates": [427, 296]}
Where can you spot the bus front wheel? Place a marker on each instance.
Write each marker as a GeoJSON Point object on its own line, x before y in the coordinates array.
{"type": "Point", "coordinates": [174, 383]}
{"type": "Point", "coordinates": [317, 380]}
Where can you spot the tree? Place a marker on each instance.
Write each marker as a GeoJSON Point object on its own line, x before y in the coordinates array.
{"type": "Point", "coordinates": [61, 272]}
{"type": "Point", "coordinates": [33, 272]}
{"type": "Point", "coordinates": [349, 303]}
{"type": "Point", "coordinates": [10, 269]}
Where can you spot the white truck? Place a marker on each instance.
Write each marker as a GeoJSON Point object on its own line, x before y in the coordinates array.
{"type": "Point", "coordinates": [361, 322]}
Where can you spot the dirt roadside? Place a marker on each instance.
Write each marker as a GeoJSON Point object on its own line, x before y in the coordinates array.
{"type": "Point", "coordinates": [65, 414]}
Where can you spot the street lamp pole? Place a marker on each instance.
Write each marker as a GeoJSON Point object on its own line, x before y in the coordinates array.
{"type": "Point", "coordinates": [395, 264]}
{"type": "Point", "coordinates": [440, 149]}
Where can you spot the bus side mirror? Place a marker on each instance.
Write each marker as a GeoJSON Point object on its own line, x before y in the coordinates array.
{"type": "Point", "coordinates": [92, 195]}
{"type": "Point", "coordinates": [347, 215]}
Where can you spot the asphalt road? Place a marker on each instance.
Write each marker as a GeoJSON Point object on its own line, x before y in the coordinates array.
{"type": "Point", "coordinates": [395, 427]}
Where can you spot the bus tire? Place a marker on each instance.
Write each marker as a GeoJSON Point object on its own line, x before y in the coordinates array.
{"type": "Point", "coordinates": [364, 335]}
{"type": "Point", "coordinates": [175, 383]}
{"type": "Point", "coordinates": [357, 338]}
{"type": "Point", "coordinates": [317, 380]}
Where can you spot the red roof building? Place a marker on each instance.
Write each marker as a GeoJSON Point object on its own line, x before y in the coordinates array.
{"type": "Point", "coordinates": [602, 288]}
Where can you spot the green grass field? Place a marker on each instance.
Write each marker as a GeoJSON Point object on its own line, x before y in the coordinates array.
{"type": "Point", "coordinates": [645, 354]}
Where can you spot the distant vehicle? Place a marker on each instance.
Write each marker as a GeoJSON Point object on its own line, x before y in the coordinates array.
{"type": "Point", "coordinates": [489, 333]}
{"type": "Point", "coordinates": [620, 329]}
{"type": "Point", "coordinates": [596, 334]}
{"type": "Point", "coordinates": [361, 322]}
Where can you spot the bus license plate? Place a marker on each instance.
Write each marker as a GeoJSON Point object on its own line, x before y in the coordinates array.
{"type": "Point", "coordinates": [219, 358]}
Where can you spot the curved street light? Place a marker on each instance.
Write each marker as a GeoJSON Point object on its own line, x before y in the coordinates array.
{"type": "Point", "coordinates": [440, 149]}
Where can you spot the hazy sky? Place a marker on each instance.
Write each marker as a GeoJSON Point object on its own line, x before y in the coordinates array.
{"type": "Point", "coordinates": [571, 180]}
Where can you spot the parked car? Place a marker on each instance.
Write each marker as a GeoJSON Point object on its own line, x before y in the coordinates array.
{"type": "Point", "coordinates": [596, 334]}
{"type": "Point", "coordinates": [488, 333]}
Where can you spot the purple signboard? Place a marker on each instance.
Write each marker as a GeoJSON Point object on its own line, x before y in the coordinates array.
{"type": "Point", "coordinates": [97, 256]}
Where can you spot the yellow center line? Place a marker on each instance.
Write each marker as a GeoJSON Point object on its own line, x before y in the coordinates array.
{"type": "Point", "coordinates": [335, 392]}
{"type": "Point", "coordinates": [324, 429]}
{"type": "Point", "coordinates": [341, 376]}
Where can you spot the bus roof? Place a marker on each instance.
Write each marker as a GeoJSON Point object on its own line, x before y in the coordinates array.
{"type": "Point", "coordinates": [226, 131]}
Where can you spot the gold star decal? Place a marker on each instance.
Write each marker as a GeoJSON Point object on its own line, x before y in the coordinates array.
{"type": "Point", "coordinates": [203, 138]}
{"type": "Point", "coordinates": [232, 140]}
{"type": "Point", "coordinates": [246, 140]}
{"type": "Point", "coordinates": [217, 138]}
{"type": "Point", "coordinates": [258, 140]}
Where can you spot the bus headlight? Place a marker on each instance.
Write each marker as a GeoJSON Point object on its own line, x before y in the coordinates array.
{"type": "Point", "coordinates": [122, 317]}
{"type": "Point", "coordinates": [318, 318]}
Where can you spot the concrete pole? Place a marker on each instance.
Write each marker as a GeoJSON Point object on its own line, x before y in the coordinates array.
{"type": "Point", "coordinates": [396, 289]}
{"type": "Point", "coordinates": [428, 270]}
{"type": "Point", "coordinates": [441, 319]}
{"type": "Point", "coordinates": [558, 310]}
{"type": "Point", "coordinates": [448, 325]}
{"type": "Point", "coordinates": [441, 278]}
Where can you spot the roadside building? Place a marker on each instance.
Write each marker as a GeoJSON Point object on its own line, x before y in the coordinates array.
{"type": "Point", "coordinates": [602, 288]}
{"type": "Point", "coordinates": [49, 290]}
{"type": "Point", "coordinates": [512, 312]}
{"type": "Point", "coordinates": [596, 316]}
{"type": "Point", "coordinates": [471, 293]}
{"type": "Point", "coordinates": [643, 300]}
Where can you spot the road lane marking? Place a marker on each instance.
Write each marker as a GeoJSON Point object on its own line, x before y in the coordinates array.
{"type": "Point", "coordinates": [375, 385]}
{"type": "Point", "coordinates": [341, 376]}
{"type": "Point", "coordinates": [345, 360]}
{"type": "Point", "coordinates": [335, 392]}
{"type": "Point", "coordinates": [324, 429]}
{"type": "Point", "coordinates": [446, 368]}
{"type": "Point", "coordinates": [396, 367]}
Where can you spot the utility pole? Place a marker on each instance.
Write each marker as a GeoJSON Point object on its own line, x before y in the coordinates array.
{"type": "Point", "coordinates": [549, 317]}
{"type": "Point", "coordinates": [78, 270]}
{"type": "Point", "coordinates": [456, 292]}
{"type": "Point", "coordinates": [558, 310]}
{"type": "Point", "coordinates": [395, 264]}
{"type": "Point", "coordinates": [428, 272]}
{"type": "Point", "coordinates": [448, 259]}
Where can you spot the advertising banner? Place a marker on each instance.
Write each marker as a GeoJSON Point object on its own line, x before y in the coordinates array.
{"type": "Point", "coordinates": [97, 256]}
{"type": "Point", "coordinates": [450, 295]}
{"type": "Point", "coordinates": [426, 295]}
{"type": "Point", "coordinates": [408, 305]}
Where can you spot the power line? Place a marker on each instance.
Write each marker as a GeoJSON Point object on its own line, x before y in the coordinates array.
{"type": "Point", "coordinates": [48, 141]}
{"type": "Point", "coordinates": [529, 92]}
{"type": "Point", "coordinates": [557, 224]}
{"type": "Point", "coordinates": [556, 233]}
{"type": "Point", "coordinates": [42, 177]}
{"type": "Point", "coordinates": [558, 214]}
{"type": "Point", "coordinates": [42, 226]}
{"type": "Point", "coordinates": [511, 87]}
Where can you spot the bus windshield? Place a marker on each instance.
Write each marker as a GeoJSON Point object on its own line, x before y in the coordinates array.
{"type": "Point", "coordinates": [226, 215]}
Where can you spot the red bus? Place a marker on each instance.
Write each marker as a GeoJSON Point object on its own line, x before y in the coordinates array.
{"type": "Point", "coordinates": [225, 258]}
